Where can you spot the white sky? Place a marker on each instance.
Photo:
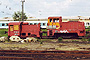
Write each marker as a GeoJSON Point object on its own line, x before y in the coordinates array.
{"type": "Point", "coordinates": [46, 8]}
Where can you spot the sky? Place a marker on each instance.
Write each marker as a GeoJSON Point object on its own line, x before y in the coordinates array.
{"type": "Point", "coordinates": [45, 8]}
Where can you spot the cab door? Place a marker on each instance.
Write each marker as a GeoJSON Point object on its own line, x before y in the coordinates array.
{"type": "Point", "coordinates": [10, 32]}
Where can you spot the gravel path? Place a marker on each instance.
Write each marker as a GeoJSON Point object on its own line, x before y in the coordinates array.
{"type": "Point", "coordinates": [45, 46]}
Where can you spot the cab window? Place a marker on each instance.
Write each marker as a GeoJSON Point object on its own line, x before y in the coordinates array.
{"type": "Point", "coordinates": [11, 27]}
{"type": "Point", "coordinates": [50, 20]}
{"type": "Point", "coordinates": [53, 20]}
{"type": "Point", "coordinates": [56, 20]}
{"type": "Point", "coordinates": [16, 27]}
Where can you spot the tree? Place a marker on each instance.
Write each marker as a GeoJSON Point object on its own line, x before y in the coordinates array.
{"type": "Point", "coordinates": [17, 16]}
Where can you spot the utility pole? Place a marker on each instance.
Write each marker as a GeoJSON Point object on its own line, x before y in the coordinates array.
{"type": "Point", "coordinates": [22, 9]}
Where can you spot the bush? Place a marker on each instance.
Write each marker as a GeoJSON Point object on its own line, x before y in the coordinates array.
{"type": "Point", "coordinates": [89, 39]}
{"type": "Point", "coordinates": [87, 35]}
{"type": "Point", "coordinates": [89, 27]}
{"type": "Point", "coordinates": [60, 39]}
{"type": "Point", "coordinates": [2, 32]}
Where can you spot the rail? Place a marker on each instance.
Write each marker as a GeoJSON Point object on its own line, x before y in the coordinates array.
{"type": "Point", "coordinates": [42, 55]}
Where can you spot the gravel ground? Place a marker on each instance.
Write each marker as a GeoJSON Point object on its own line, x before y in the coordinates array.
{"type": "Point", "coordinates": [53, 45]}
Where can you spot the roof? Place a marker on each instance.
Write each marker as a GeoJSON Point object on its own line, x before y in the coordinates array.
{"type": "Point", "coordinates": [14, 23]}
{"type": "Point", "coordinates": [53, 17]}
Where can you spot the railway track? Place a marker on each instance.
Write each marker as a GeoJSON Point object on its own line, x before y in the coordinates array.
{"type": "Point", "coordinates": [43, 55]}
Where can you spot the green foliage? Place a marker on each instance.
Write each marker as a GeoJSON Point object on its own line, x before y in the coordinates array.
{"type": "Point", "coordinates": [87, 29]}
{"type": "Point", "coordinates": [87, 34]}
{"type": "Point", "coordinates": [83, 39]}
{"type": "Point", "coordinates": [60, 39]}
{"type": "Point", "coordinates": [40, 40]}
{"type": "Point", "coordinates": [44, 34]}
{"type": "Point", "coordinates": [17, 16]}
{"type": "Point", "coordinates": [44, 30]}
{"type": "Point", "coordinates": [2, 32]}
{"type": "Point", "coordinates": [89, 39]}
{"type": "Point", "coordinates": [75, 40]}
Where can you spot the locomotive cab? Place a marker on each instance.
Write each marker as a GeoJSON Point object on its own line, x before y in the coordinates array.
{"type": "Point", "coordinates": [14, 29]}
{"type": "Point", "coordinates": [54, 22]}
